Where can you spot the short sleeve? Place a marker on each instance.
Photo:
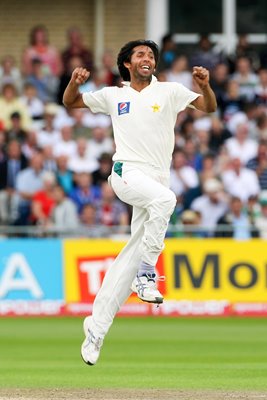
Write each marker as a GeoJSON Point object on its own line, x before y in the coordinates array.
{"type": "Point", "coordinates": [96, 101]}
{"type": "Point", "coordinates": [182, 97]}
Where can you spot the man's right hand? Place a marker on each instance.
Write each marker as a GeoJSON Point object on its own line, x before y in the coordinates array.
{"type": "Point", "coordinates": [80, 75]}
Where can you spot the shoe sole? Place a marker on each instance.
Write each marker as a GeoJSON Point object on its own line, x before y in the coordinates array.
{"type": "Point", "coordinates": [86, 362]}
{"type": "Point", "coordinates": [158, 300]}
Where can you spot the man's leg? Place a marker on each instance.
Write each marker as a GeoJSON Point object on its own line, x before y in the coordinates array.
{"type": "Point", "coordinates": [116, 286]}
{"type": "Point", "coordinates": [138, 189]}
{"type": "Point", "coordinates": [153, 204]}
{"type": "Point", "coordinates": [114, 291]}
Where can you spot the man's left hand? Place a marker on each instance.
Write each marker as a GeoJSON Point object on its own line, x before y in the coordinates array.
{"type": "Point", "coordinates": [201, 76]}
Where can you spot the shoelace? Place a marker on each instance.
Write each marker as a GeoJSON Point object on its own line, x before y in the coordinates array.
{"type": "Point", "coordinates": [97, 341]}
{"type": "Point", "coordinates": [151, 282]}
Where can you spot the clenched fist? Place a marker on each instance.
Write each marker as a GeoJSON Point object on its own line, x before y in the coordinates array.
{"type": "Point", "coordinates": [80, 75]}
{"type": "Point", "coordinates": [201, 76]}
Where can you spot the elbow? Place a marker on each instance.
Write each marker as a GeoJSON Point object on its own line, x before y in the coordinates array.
{"type": "Point", "coordinates": [65, 102]}
{"type": "Point", "coordinates": [212, 109]}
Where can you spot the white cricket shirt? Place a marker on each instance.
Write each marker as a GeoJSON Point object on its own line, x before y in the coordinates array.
{"type": "Point", "coordinates": [143, 122]}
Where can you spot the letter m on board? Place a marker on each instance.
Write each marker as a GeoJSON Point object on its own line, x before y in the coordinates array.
{"type": "Point", "coordinates": [182, 265]}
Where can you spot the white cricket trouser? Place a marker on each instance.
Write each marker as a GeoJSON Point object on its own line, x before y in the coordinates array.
{"type": "Point", "coordinates": [146, 189]}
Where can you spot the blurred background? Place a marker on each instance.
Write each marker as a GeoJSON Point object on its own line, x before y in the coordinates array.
{"type": "Point", "coordinates": [54, 162]}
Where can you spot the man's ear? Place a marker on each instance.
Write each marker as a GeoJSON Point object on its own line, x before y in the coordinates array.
{"type": "Point", "coordinates": [127, 64]}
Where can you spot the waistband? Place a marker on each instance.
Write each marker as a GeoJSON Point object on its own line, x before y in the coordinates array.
{"type": "Point", "coordinates": [144, 167]}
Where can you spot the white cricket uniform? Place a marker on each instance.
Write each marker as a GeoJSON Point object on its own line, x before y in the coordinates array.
{"type": "Point", "coordinates": [143, 125]}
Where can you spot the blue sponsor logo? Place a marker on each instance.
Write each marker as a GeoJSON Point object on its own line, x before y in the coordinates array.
{"type": "Point", "coordinates": [124, 108]}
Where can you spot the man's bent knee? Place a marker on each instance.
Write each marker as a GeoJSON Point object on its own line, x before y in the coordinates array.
{"type": "Point", "coordinates": [164, 204]}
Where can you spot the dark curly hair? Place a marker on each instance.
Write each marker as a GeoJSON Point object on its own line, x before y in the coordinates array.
{"type": "Point", "coordinates": [127, 50]}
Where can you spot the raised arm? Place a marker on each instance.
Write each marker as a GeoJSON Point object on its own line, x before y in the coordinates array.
{"type": "Point", "coordinates": [72, 98]}
{"type": "Point", "coordinates": [207, 102]}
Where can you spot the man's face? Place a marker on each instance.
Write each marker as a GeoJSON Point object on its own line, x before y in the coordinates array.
{"type": "Point", "coordinates": [142, 63]}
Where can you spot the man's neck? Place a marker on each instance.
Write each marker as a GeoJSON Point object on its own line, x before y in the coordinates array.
{"type": "Point", "coordinates": [138, 84]}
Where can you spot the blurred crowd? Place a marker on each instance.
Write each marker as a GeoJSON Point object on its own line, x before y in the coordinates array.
{"type": "Point", "coordinates": [54, 162]}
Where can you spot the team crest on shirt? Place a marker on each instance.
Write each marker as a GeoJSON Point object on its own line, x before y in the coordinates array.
{"type": "Point", "coordinates": [155, 107]}
{"type": "Point", "coordinates": [124, 108]}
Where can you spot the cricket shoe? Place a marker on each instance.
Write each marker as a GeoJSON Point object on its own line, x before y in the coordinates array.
{"type": "Point", "coordinates": [92, 343]}
{"type": "Point", "coordinates": [146, 288]}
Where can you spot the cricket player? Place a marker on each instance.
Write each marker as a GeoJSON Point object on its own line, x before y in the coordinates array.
{"type": "Point", "coordinates": [143, 113]}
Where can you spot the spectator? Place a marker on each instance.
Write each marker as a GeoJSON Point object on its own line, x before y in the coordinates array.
{"type": "Point", "coordinates": [194, 158]}
{"type": "Point", "coordinates": [34, 105]}
{"type": "Point", "coordinates": [30, 146]}
{"type": "Point", "coordinates": [48, 135]}
{"type": "Point", "coordinates": [211, 205]}
{"type": "Point", "coordinates": [223, 160]}
{"type": "Point", "coordinates": [236, 222]}
{"type": "Point", "coordinates": [168, 52]}
{"type": "Point", "coordinates": [218, 135]}
{"type": "Point", "coordinates": [84, 192]}
{"type": "Point", "coordinates": [39, 48]}
{"type": "Point", "coordinates": [64, 78]}
{"type": "Point", "coordinates": [261, 220]}
{"type": "Point", "coordinates": [259, 164]}
{"type": "Point", "coordinates": [109, 71]}
{"type": "Point", "coordinates": [44, 82]}
{"type": "Point", "coordinates": [183, 179]}
{"type": "Point", "coordinates": [110, 211]}
{"type": "Point", "coordinates": [50, 163]}
{"type": "Point", "coordinates": [261, 126]}
{"type": "Point", "coordinates": [66, 145]}
{"type": "Point", "coordinates": [64, 215]}
{"type": "Point", "coordinates": [100, 143]}
{"type": "Point", "coordinates": [179, 72]}
{"type": "Point", "coordinates": [104, 170]}
{"type": "Point", "coordinates": [244, 49]}
{"type": "Point", "coordinates": [88, 215]}
{"type": "Point", "coordinates": [76, 48]}
{"type": "Point", "coordinates": [246, 78]}
{"type": "Point", "coordinates": [240, 146]}
{"type": "Point", "coordinates": [9, 73]}
{"type": "Point", "coordinates": [80, 126]}
{"type": "Point", "coordinates": [236, 119]}
{"type": "Point", "coordinates": [28, 182]}
{"type": "Point", "coordinates": [205, 55]}
{"type": "Point", "coordinates": [219, 80]}
{"type": "Point", "coordinates": [253, 208]}
{"type": "Point", "coordinates": [231, 101]}
{"type": "Point", "coordinates": [10, 166]}
{"type": "Point", "coordinates": [64, 175]}
{"type": "Point", "coordinates": [16, 130]}
{"type": "Point", "coordinates": [240, 181]}
{"type": "Point", "coordinates": [202, 139]}
{"type": "Point", "coordinates": [10, 103]}
{"type": "Point", "coordinates": [184, 130]}
{"type": "Point", "coordinates": [81, 161]}
{"type": "Point", "coordinates": [42, 201]}
{"type": "Point", "coordinates": [209, 168]}
{"type": "Point", "coordinates": [190, 221]}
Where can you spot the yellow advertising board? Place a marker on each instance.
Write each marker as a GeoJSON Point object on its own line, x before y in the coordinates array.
{"type": "Point", "coordinates": [195, 269]}
{"type": "Point", "coordinates": [218, 269]}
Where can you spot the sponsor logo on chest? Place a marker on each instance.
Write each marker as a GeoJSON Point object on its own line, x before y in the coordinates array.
{"type": "Point", "coordinates": [123, 108]}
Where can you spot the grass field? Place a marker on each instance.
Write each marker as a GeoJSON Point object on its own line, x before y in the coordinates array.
{"type": "Point", "coordinates": [226, 353]}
